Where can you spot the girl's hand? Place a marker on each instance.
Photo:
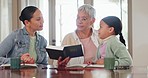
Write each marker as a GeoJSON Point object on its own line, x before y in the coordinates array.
{"type": "Point", "coordinates": [100, 61]}
{"type": "Point", "coordinates": [63, 63]}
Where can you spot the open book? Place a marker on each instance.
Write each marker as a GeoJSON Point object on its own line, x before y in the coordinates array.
{"type": "Point", "coordinates": [85, 66]}
{"type": "Point", "coordinates": [22, 65]}
{"type": "Point", "coordinates": [71, 51]}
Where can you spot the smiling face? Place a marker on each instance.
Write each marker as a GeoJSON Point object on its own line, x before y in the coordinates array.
{"type": "Point", "coordinates": [36, 22]}
{"type": "Point", "coordinates": [84, 21]}
{"type": "Point", "coordinates": [104, 30]}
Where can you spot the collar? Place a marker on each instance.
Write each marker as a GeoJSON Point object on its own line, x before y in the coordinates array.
{"type": "Point", "coordinates": [105, 40]}
{"type": "Point", "coordinates": [26, 33]}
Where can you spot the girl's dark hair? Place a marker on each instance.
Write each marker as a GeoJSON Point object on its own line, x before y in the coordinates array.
{"type": "Point", "coordinates": [27, 13]}
{"type": "Point", "coordinates": [113, 21]}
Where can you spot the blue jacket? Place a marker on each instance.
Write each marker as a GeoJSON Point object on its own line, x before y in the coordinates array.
{"type": "Point", "coordinates": [17, 43]}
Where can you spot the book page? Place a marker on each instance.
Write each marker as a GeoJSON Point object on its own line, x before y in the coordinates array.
{"type": "Point", "coordinates": [28, 65]}
{"type": "Point", "coordinates": [5, 65]}
{"type": "Point", "coordinates": [95, 65]}
{"type": "Point", "coordinates": [77, 65]}
{"type": "Point", "coordinates": [55, 47]}
{"type": "Point", "coordinates": [86, 66]}
{"type": "Point", "coordinates": [22, 65]}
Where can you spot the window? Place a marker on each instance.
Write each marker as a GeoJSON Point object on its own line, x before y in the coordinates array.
{"type": "Point", "coordinates": [44, 7]}
{"type": "Point", "coordinates": [5, 18]}
{"type": "Point", "coordinates": [66, 11]}
{"type": "Point", "coordinates": [112, 7]}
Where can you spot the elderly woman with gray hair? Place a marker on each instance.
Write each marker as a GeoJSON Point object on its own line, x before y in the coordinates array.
{"type": "Point", "coordinates": [84, 35]}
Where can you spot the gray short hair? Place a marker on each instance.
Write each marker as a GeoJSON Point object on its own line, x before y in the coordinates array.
{"type": "Point", "coordinates": [88, 9]}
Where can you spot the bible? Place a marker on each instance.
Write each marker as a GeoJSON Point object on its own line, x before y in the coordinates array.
{"type": "Point", "coordinates": [72, 51]}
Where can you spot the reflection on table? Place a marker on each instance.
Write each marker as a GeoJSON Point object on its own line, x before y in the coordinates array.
{"type": "Point", "coordinates": [50, 72]}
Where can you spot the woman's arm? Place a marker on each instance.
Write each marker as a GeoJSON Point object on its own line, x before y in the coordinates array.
{"type": "Point", "coordinates": [5, 47]}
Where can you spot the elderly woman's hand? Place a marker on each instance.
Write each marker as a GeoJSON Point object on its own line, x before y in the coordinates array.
{"type": "Point", "coordinates": [88, 61]}
{"type": "Point", "coordinates": [63, 63]}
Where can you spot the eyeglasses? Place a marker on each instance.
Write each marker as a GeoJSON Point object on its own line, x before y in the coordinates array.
{"type": "Point", "coordinates": [82, 19]}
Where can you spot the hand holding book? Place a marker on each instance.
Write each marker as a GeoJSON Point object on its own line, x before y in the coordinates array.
{"type": "Point", "coordinates": [63, 63]}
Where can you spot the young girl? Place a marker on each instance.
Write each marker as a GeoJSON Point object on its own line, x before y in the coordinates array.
{"type": "Point", "coordinates": [110, 46]}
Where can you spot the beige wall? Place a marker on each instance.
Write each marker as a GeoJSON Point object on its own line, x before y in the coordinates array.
{"type": "Point", "coordinates": [139, 32]}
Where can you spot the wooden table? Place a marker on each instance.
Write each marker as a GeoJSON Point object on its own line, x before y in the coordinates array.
{"type": "Point", "coordinates": [49, 72]}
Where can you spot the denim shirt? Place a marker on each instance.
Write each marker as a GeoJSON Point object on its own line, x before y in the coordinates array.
{"type": "Point", "coordinates": [17, 43]}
